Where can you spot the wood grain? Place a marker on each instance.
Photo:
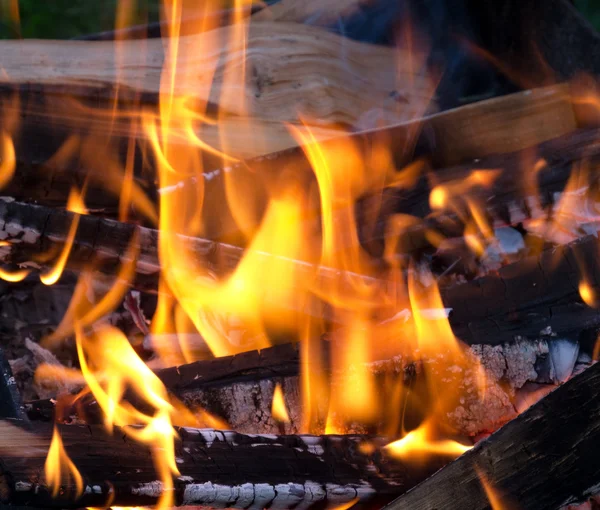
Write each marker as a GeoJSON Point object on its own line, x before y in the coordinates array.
{"type": "Point", "coordinates": [285, 71]}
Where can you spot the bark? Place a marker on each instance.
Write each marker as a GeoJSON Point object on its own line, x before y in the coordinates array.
{"type": "Point", "coordinates": [218, 469]}
{"type": "Point", "coordinates": [529, 461]}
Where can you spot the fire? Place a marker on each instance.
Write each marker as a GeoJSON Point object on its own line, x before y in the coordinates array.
{"type": "Point", "coordinates": [59, 468]}
{"type": "Point", "coordinates": [278, 407]}
{"type": "Point", "coordinates": [111, 368]}
{"type": "Point", "coordinates": [419, 444]}
{"type": "Point", "coordinates": [587, 293]}
{"type": "Point", "coordinates": [14, 276]}
{"type": "Point", "coordinates": [303, 267]}
{"type": "Point", "coordinates": [496, 499]}
{"type": "Point", "coordinates": [75, 204]}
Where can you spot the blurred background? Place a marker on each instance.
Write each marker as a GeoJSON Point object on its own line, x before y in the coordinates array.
{"type": "Point", "coordinates": [65, 19]}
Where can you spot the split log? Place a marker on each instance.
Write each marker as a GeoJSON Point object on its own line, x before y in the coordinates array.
{"type": "Point", "coordinates": [239, 389]}
{"type": "Point", "coordinates": [545, 458]}
{"type": "Point", "coordinates": [218, 469]}
{"type": "Point", "coordinates": [292, 70]}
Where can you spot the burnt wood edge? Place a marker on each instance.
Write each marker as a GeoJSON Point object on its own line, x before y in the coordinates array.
{"type": "Point", "coordinates": [223, 468]}
{"type": "Point", "coordinates": [535, 294]}
{"type": "Point", "coordinates": [545, 458]}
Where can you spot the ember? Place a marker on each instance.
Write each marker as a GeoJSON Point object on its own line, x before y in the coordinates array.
{"type": "Point", "coordinates": [275, 229]}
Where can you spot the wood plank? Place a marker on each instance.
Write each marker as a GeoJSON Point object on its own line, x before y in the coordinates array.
{"type": "Point", "coordinates": [290, 71]}
{"type": "Point", "coordinates": [545, 458]}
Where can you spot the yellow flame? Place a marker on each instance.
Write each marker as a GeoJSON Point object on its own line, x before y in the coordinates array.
{"type": "Point", "coordinates": [59, 468]}
{"type": "Point", "coordinates": [75, 204]}
{"type": "Point", "coordinates": [587, 294]}
{"type": "Point", "coordinates": [418, 443]}
{"type": "Point", "coordinates": [278, 407]}
{"type": "Point", "coordinates": [111, 368]}
{"type": "Point", "coordinates": [14, 276]}
{"type": "Point", "coordinates": [8, 161]}
{"type": "Point", "coordinates": [344, 506]}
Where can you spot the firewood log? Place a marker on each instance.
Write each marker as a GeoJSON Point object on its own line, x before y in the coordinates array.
{"type": "Point", "coordinates": [525, 458]}
{"type": "Point", "coordinates": [544, 114]}
{"type": "Point", "coordinates": [545, 458]}
{"type": "Point", "coordinates": [218, 469]}
{"type": "Point", "coordinates": [291, 70]}
{"type": "Point", "coordinates": [524, 298]}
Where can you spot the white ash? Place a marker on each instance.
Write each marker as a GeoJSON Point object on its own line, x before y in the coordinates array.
{"type": "Point", "coordinates": [521, 357]}
{"type": "Point", "coordinates": [563, 355]}
{"type": "Point", "coordinates": [151, 489]}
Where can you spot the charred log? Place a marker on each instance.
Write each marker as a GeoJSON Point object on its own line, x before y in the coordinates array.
{"type": "Point", "coordinates": [535, 463]}
{"type": "Point", "coordinates": [527, 298]}
{"type": "Point", "coordinates": [218, 468]}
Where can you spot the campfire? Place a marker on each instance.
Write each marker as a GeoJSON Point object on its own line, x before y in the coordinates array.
{"type": "Point", "coordinates": [302, 255]}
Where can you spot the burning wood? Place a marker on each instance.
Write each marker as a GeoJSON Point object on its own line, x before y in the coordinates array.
{"type": "Point", "coordinates": [526, 458]}
{"type": "Point", "coordinates": [390, 342]}
{"type": "Point", "coordinates": [216, 469]}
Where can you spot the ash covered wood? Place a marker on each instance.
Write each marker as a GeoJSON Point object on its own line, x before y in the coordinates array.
{"type": "Point", "coordinates": [239, 389]}
{"type": "Point", "coordinates": [218, 468]}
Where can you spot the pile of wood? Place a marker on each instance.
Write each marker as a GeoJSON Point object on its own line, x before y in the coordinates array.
{"type": "Point", "coordinates": [525, 321]}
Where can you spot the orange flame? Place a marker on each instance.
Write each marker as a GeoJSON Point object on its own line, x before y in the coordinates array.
{"type": "Point", "coordinates": [278, 407]}
{"type": "Point", "coordinates": [75, 204]}
{"type": "Point", "coordinates": [59, 468]}
{"type": "Point", "coordinates": [14, 276]}
{"type": "Point", "coordinates": [419, 444]}
{"type": "Point", "coordinates": [496, 499]}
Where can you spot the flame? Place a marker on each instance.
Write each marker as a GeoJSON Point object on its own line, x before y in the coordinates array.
{"type": "Point", "coordinates": [111, 368]}
{"type": "Point", "coordinates": [419, 444]}
{"type": "Point", "coordinates": [278, 407]}
{"type": "Point", "coordinates": [345, 506]}
{"type": "Point", "coordinates": [59, 468]}
{"type": "Point", "coordinates": [496, 499]}
{"type": "Point", "coordinates": [302, 255]}
{"type": "Point", "coordinates": [587, 293]}
{"type": "Point", "coordinates": [14, 276]}
{"type": "Point", "coordinates": [75, 204]}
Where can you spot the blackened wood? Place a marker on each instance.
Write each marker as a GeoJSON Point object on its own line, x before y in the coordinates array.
{"type": "Point", "coordinates": [545, 458]}
{"type": "Point", "coordinates": [217, 468]}
{"type": "Point", "coordinates": [272, 362]}
{"type": "Point", "coordinates": [11, 405]}
{"type": "Point", "coordinates": [524, 298]}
